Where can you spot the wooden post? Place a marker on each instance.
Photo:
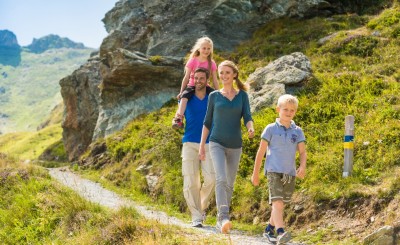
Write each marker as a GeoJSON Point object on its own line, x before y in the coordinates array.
{"type": "Point", "coordinates": [348, 146]}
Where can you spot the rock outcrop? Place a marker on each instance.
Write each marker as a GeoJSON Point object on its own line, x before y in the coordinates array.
{"type": "Point", "coordinates": [170, 27]}
{"type": "Point", "coordinates": [275, 79]}
{"type": "Point", "coordinates": [10, 51]}
{"type": "Point", "coordinates": [52, 41]}
{"type": "Point", "coordinates": [81, 97]}
{"type": "Point", "coordinates": [131, 85]}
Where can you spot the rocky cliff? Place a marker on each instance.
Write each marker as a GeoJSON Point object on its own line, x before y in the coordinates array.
{"type": "Point", "coordinates": [10, 51]}
{"type": "Point", "coordinates": [142, 32]}
{"type": "Point", "coordinates": [52, 41]}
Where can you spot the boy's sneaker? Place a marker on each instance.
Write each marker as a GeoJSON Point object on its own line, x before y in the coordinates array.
{"type": "Point", "coordinates": [197, 223]}
{"type": "Point", "coordinates": [177, 122]}
{"type": "Point", "coordinates": [270, 236]}
{"type": "Point", "coordinates": [224, 226]}
{"type": "Point", "coordinates": [283, 238]}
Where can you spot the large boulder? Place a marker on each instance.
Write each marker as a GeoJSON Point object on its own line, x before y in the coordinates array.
{"type": "Point", "coordinates": [270, 82]}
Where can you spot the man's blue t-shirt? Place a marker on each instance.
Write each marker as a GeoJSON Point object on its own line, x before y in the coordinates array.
{"type": "Point", "coordinates": [194, 115]}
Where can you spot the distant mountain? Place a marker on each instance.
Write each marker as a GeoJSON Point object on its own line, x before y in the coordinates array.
{"type": "Point", "coordinates": [52, 42]}
{"type": "Point", "coordinates": [10, 51]}
{"type": "Point", "coordinates": [30, 91]}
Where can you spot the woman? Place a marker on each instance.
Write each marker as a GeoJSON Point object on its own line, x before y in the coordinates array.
{"type": "Point", "coordinates": [226, 107]}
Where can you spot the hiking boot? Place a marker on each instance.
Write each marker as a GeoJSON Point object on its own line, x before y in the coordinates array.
{"type": "Point", "coordinates": [177, 122]}
{"type": "Point", "coordinates": [270, 236]}
{"type": "Point", "coordinates": [224, 226]}
{"type": "Point", "coordinates": [283, 238]}
{"type": "Point", "coordinates": [197, 224]}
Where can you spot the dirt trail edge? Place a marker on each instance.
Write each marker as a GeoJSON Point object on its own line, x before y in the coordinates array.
{"type": "Point", "coordinates": [94, 192]}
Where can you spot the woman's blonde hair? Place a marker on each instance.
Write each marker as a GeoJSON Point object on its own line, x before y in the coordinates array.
{"type": "Point", "coordinates": [195, 51]}
{"type": "Point", "coordinates": [232, 65]}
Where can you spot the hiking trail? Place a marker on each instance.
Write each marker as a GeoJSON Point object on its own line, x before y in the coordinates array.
{"type": "Point", "coordinates": [94, 192]}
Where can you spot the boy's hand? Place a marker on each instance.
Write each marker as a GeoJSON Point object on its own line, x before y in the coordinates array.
{"type": "Point", "coordinates": [301, 172]}
{"type": "Point", "coordinates": [255, 179]}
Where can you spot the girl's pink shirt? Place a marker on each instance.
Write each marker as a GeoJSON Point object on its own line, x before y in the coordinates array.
{"type": "Point", "coordinates": [194, 63]}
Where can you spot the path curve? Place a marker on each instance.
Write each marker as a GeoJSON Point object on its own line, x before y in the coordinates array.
{"type": "Point", "coordinates": [96, 193]}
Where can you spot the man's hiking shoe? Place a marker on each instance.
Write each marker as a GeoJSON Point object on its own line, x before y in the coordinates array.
{"type": "Point", "coordinates": [177, 122]}
{"type": "Point", "coordinates": [283, 238]}
{"type": "Point", "coordinates": [270, 236]}
{"type": "Point", "coordinates": [224, 226]}
{"type": "Point", "coordinates": [197, 223]}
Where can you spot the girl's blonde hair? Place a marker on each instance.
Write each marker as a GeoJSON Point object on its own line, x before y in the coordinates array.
{"type": "Point", "coordinates": [232, 65]}
{"type": "Point", "coordinates": [195, 51]}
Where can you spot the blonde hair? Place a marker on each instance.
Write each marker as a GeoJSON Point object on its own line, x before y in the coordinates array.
{"type": "Point", "coordinates": [287, 99]}
{"type": "Point", "coordinates": [195, 51]}
{"type": "Point", "coordinates": [232, 65]}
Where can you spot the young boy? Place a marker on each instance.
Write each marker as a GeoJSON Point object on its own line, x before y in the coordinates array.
{"type": "Point", "coordinates": [281, 140]}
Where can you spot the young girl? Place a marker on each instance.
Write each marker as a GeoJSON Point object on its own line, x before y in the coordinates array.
{"type": "Point", "coordinates": [225, 110]}
{"type": "Point", "coordinates": [201, 56]}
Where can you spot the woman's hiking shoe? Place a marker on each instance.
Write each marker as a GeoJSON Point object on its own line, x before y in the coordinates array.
{"type": "Point", "coordinates": [224, 226]}
{"type": "Point", "coordinates": [283, 238]}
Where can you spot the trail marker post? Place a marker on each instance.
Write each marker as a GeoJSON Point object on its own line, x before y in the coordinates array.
{"type": "Point", "coordinates": [348, 145]}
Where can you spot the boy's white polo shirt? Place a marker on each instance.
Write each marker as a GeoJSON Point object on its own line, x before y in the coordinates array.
{"type": "Point", "coordinates": [282, 147]}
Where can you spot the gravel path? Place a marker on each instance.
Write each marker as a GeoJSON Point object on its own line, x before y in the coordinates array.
{"type": "Point", "coordinates": [96, 193]}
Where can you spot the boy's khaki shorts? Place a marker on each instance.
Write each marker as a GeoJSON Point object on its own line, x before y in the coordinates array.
{"type": "Point", "coordinates": [281, 186]}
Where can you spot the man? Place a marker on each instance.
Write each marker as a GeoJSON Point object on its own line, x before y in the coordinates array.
{"type": "Point", "coordinates": [197, 195]}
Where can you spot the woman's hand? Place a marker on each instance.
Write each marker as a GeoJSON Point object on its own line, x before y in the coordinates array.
{"type": "Point", "coordinates": [250, 132]}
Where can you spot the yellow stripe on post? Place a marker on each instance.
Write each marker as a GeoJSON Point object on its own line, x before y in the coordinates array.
{"type": "Point", "coordinates": [348, 145]}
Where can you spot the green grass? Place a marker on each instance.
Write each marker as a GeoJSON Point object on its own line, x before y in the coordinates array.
{"type": "Point", "coordinates": [30, 145]}
{"type": "Point", "coordinates": [34, 209]}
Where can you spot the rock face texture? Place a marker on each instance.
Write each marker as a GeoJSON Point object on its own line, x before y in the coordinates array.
{"type": "Point", "coordinates": [140, 63]}
{"type": "Point", "coordinates": [170, 27]}
{"type": "Point", "coordinates": [132, 85]}
{"type": "Point", "coordinates": [80, 93]}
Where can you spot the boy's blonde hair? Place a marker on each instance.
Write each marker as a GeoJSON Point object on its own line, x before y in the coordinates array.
{"type": "Point", "coordinates": [287, 98]}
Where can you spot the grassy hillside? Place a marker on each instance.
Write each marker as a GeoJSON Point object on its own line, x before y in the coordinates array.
{"type": "Point", "coordinates": [45, 144]}
{"type": "Point", "coordinates": [34, 209]}
{"type": "Point", "coordinates": [356, 72]}
{"type": "Point", "coordinates": [30, 91]}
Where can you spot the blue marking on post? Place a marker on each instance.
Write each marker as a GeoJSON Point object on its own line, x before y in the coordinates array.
{"type": "Point", "coordinates": [348, 138]}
